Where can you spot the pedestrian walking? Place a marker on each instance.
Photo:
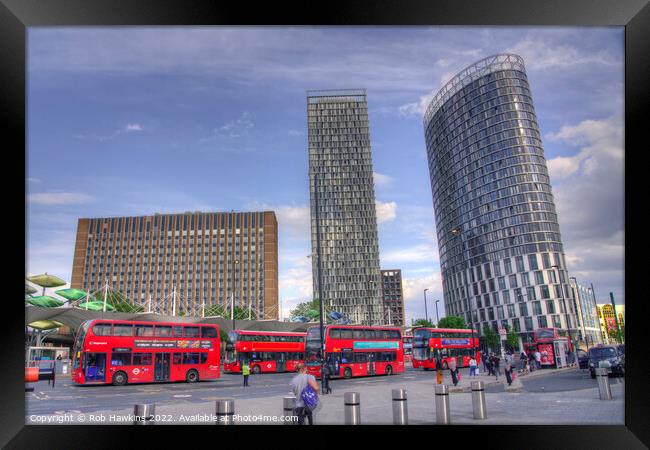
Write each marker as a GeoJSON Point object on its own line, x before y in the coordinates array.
{"type": "Point", "coordinates": [245, 371]}
{"type": "Point", "coordinates": [497, 361]}
{"type": "Point", "coordinates": [472, 367]}
{"type": "Point", "coordinates": [326, 379]}
{"type": "Point", "coordinates": [531, 361]}
{"type": "Point", "coordinates": [486, 360]}
{"type": "Point", "coordinates": [438, 369]}
{"type": "Point", "coordinates": [453, 369]}
{"type": "Point", "coordinates": [538, 359]}
{"type": "Point", "coordinates": [299, 386]}
{"type": "Point", "coordinates": [508, 372]}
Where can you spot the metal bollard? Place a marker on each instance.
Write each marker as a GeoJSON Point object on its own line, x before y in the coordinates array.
{"type": "Point", "coordinates": [443, 415]}
{"type": "Point", "coordinates": [226, 411]}
{"type": "Point", "coordinates": [352, 402]}
{"type": "Point", "coordinates": [400, 408]}
{"type": "Point", "coordinates": [603, 384]}
{"type": "Point", "coordinates": [478, 400]}
{"type": "Point", "coordinates": [288, 407]}
{"type": "Point", "coordinates": [144, 414]}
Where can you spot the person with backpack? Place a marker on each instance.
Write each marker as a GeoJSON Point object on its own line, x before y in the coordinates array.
{"type": "Point", "coordinates": [305, 389]}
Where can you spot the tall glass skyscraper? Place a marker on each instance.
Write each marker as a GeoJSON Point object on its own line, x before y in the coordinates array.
{"type": "Point", "coordinates": [501, 253]}
{"type": "Point", "coordinates": [342, 199]}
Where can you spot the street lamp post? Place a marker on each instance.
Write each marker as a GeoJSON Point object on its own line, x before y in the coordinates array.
{"type": "Point", "coordinates": [320, 280]}
{"type": "Point", "coordinates": [426, 314]}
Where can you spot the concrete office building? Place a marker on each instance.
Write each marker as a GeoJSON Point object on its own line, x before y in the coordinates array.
{"type": "Point", "coordinates": [183, 262]}
{"type": "Point", "coordinates": [393, 296]}
{"type": "Point", "coordinates": [342, 200]}
{"type": "Point", "coordinates": [501, 254]}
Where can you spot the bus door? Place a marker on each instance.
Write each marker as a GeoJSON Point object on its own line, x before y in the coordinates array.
{"type": "Point", "coordinates": [161, 364]}
{"type": "Point", "coordinates": [372, 370]}
{"type": "Point", "coordinates": [94, 367]}
{"type": "Point", "coordinates": [281, 362]}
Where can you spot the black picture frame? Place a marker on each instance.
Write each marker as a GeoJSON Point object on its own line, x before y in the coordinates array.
{"type": "Point", "coordinates": [634, 15]}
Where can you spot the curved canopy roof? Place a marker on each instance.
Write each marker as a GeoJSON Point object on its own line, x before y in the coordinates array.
{"type": "Point", "coordinates": [74, 317]}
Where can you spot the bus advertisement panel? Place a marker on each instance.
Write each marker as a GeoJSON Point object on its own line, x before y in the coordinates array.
{"type": "Point", "coordinates": [265, 351]}
{"type": "Point", "coordinates": [408, 348]}
{"type": "Point", "coordinates": [353, 351]}
{"type": "Point", "coordinates": [546, 341]}
{"type": "Point", "coordinates": [431, 343]}
{"type": "Point", "coordinates": [120, 352]}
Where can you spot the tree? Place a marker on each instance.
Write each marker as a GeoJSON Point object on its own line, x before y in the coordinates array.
{"type": "Point", "coordinates": [512, 338]}
{"type": "Point", "coordinates": [422, 323]}
{"type": "Point", "coordinates": [618, 336]}
{"type": "Point", "coordinates": [491, 337]}
{"type": "Point", "coordinates": [306, 309]}
{"type": "Point", "coordinates": [452, 322]}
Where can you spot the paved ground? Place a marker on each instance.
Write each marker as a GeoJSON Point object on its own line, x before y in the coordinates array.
{"type": "Point", "coordinates": [566, 396]}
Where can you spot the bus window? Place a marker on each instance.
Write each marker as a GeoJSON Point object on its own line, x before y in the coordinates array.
{"type": "Point", "coordinates": [191, 332]}
{"type": "Point", "coordinates": [369, 334]}
{"type": "Point", "coordinates": [204, 358]}
{"type": "Point", "coordinates": [357, 334]}
{"type": "Point", "coordinates": [102, 329]}
{"type": "Point", "coordinates": [121, 358]}
{"type": "Point", "coordinates": [178, 358]}
{"type": "Point", "coordinates": [208, 332]}
{"type": "Point", "coordinates": [190, 358]}
{"type": "Point", "coordinates": [335, 333]}
{"type": "Point", "coordinates": [178, 331]}
{"type": "Point", "coordinates": [346, 356]}
{"type": "Point", "coordinates": [346, 334]}
{"type": "Point", "coordinates": [144, 330]}
{"type": "Point", "coordinates": [123, 329]}
{"type": "Point", "coordinates": [360, 357]}
{"type": "Point", "coordinates": [142, 359]}
{"type": "Point", "coordinates": [163, 331]}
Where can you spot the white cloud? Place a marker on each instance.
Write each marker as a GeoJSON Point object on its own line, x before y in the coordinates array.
{"type": "Point", "coordinates": [386, 211]}
{"type": "Point", "coordinates": [382, 180]}
{"type": "Point", "coordinates": [598, 140]}
{"type": "Point", "coordinates": [59, 198]}
{"type": "Point", "coordinates": [34, 180]}
{"type": "Point", "coordinates": [419, 107]}
{"type": "Point", "coordinates": [413, 288]}
{"type": "Point", "coordinates": [133, 127]}
{"type": "Point", "coordinates": [296, 133]}
{"type": "Point", "coordinates": [540, 54]}
{"type": "Point", "coordinates": [236, 128]}
{"type": "Point", "coordinates": [589, 196]}
{"type": "Point", "coordinates": [424, 252]}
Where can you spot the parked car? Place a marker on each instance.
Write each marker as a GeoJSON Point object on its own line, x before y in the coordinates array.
{"type": "Point", "coordinates": [609, 355]}
{"type": "Point", "coordinates": [583, 359]}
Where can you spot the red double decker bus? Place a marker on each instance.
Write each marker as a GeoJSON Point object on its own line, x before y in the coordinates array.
{"type": "Point", "coordinates": [121, 352]}
{"type": "Point", "coordinates": [408, 348]}
{"type": "Point", "coordinates": [429, 343]}
{"type": "Point", "coordinates": [354, 351]}
{"type": "Point", "coordinates": [552, 344]}
{"type": "Point", "coordinates": [265, 351]}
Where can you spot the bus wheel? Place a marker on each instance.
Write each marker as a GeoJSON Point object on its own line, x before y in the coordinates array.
{"type": "Point", "coordinates": [192, 376]}
{"type": "Point", "coordinates": [257, 370]}
{"type": "Point", "coordinates": [347, 373]}
{"type": "Point", "coordinates": [389, 370]}
{"type": "Point", "coordinates": [119, 379]}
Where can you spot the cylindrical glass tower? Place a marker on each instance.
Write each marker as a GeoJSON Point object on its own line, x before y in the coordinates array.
{"type": "Point", "coordinates": [501, 253]}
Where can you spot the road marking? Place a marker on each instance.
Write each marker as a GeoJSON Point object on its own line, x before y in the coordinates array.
{"type": "Point", "coordinates": [181, 395]}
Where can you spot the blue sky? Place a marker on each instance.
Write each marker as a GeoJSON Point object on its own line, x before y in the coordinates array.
{"type": "Point", "coordinates": [129, 121]}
